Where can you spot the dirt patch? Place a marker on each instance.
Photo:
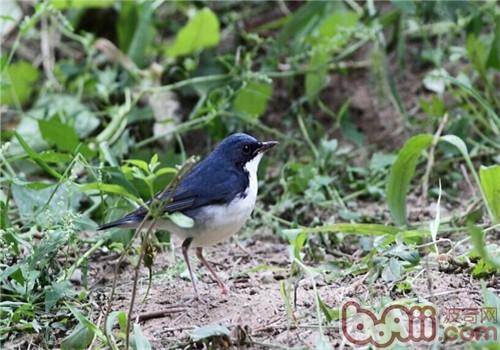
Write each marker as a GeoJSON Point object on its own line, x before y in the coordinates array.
{"type": "Point", "coordinates": [255, 310]}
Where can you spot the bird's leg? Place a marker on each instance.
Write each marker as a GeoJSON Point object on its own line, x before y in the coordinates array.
{"type": "Point", "coordinates": [199, 254]}
{"type": "Point", "coordinates": [185, 247]}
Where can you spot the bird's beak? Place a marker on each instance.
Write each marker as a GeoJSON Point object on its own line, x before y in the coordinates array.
{"type": "Point", "coordinates": [264, 146]}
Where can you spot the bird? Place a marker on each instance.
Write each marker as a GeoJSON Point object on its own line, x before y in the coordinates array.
{"type": "Point", "coordinates": [218, 194]}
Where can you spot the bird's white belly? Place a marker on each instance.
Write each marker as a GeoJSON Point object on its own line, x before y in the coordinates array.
{"type": "Point", "coordinates": [218, 222]}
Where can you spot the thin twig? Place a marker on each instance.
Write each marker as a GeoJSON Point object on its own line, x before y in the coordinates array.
{"type": "Point", "coordinates": [155, 201]}
{"type": "Point", "coordinates": [158, 314]}
{"type": "Point", "coordinates": [430, 161]}
{"type": "Point", "coordinates": [467, 180]}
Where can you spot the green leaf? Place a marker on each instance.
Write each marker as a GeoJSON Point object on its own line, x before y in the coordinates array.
{"type": "Point", "coordinates": [22, 77]}
{"type": "Point", "coordinates": [165, 170]}
{"type": "Point", "coordinates": [113, 317]}
{"type": "Point", "coordinates": [110, 189]}
{"type": "Point", "coordinates": [392, 271]}
{"type": "Point", "coordinates": [490, 183]}
{"type": "Point", "coordinates": [457, 142]}
{"type": "Point", "coordinates": [305, 19]}
{"type": "Point", "coordinates": [317, 77]}
{"type": "Point", "coordinates": [477, 52]}
{"type": "Point", "coordinates": [69, 109]}
{"type": "Point", "coordinates": [80, 4]}
{"type": "Point", "coordinates": [4, 217]}
{"type": "Point", "coordinates": [181, 220]}
{"type": "Point", "coordinates": [494, 56]}
{"type": "Point", "coordinates": [460, 145]}
{"type": "Point", "coordinates": [401, 174]}
{"type": "Point", "coordinates": [252, 99]}
{"type": "Point", "coordinates": [135, 29]}
{"type": "Point", "coordinates": [126, 24]}
{"type": "Point", "coordinates": [204, 332]}
{"type": "Point", "coordinates": [139, 341]}
{"type": "Point", "coordinates": [54, 293]}
{"type": "Point", "coordinates": [200, 32]}
{"type": "Point", "coordinates": [63, 136]}
{"type": "Point", "coordinates": [329, 313]}
{"type": "Point", "coordinates": [381, 160]}
{"type": "Point", "coordinates": [337, 22]}
{"type": "Point", "coordinates": [80, 338]}
{"type": "Point", "coordinates": [477, 239]}
{"type": "Point", "coordinates": [327, 40]}
{"type": "Point", "coordinates": [435, 80]}
{"type": "Point", "coordinates": [57, 200]}
{"type": "Point", "coordinates": [86, 322]}
{"type": "Point", "coordinates": [140, 164]}
{"type": "Point", "coordinates": [34, 156]}
{"type": "Point", "coordinates": [55, 157]}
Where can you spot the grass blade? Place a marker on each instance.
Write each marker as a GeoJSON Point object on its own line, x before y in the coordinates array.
{"type": "Point", "coordinates": [34, 156]}
{"type": "Point", "coordinates": [490, 184]}
{"type": "Point", "coordinates": [401, 174]}
{"type": "Point", "coordinates": [458, 143]}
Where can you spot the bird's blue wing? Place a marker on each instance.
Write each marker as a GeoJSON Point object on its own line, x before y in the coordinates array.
{"type": "Point", "coordinates": [206, 184]}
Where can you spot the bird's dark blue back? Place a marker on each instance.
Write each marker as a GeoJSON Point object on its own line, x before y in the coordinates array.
{"type": "Point", "coordinates": [213, 181]}
{"type": "Point", "coordinates": [217, 179]}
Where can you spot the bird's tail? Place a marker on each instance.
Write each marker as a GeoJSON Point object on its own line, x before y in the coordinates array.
{"type": "Point", "coordinates": [125, 222]}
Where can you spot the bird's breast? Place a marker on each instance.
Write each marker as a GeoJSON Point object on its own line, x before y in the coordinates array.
{"type": "Point", "coordinates": [218, 222]}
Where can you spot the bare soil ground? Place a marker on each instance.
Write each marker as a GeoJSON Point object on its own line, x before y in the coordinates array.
{"type": "Point", "coordinates": [255, 310]}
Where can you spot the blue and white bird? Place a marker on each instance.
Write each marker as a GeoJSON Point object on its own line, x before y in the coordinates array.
{"type": "Point", "coordinates": [219, 194]}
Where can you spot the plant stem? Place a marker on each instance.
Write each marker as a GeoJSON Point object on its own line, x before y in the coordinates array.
{"type": "Point", "coordinates": [172, 187]}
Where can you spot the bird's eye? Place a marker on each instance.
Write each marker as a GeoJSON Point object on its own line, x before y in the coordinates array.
{"type": "Point", "coordinates": [246, 149]}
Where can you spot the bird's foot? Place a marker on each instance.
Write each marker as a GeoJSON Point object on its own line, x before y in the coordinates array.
{"type": "Point", "coordinates": [224, 290]}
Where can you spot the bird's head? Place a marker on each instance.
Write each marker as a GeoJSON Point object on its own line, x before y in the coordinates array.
{"type": "Point", "coordinates": [242, 149]}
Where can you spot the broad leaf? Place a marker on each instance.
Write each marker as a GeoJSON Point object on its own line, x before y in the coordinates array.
{"type": "Point", "coordinates": [48, 204]}
{"type": "Point", "coordinates": [21, 76]}
{"type": "Point", "coordinates": [435, 80]}
{"type": "Point", "coordinates": [63, 136]}
{"type": "Point", "coordinates": [401, 174]}
{"type": "Point", "coordinates": [80, 338]}
{"type": "Point", "coordinates": [477, 239]}
{"type": "Point", "coordinates": [200, 32]}
{"type": "Point", "coordinates": [54, 293]}
{"type": "Point", "coordinates": [181, 220]}
{"type": "Point", "coordinates": [139, 341]}
{"type": "Point", "coordinates": [392, 271]}
{"type": "Point", "coordinates": [252, 99]}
